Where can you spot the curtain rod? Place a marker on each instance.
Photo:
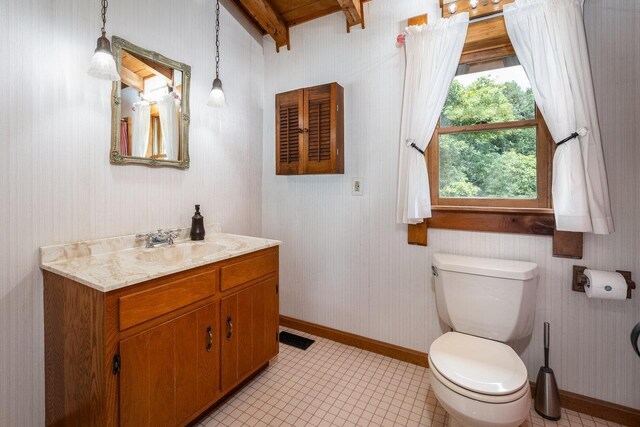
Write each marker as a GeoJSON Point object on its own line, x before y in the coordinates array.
{"type": "Point", "coordinates": [484, 18]}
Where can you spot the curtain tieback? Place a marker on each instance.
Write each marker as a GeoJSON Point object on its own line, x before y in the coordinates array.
{"type": "Point", "coordinates": [412, 143]}
{"type": "Point", "coordinates": [579, 132]}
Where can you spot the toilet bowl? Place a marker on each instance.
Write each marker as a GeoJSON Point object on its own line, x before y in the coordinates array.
{"type": "Point", "coordinates": [479, 382]}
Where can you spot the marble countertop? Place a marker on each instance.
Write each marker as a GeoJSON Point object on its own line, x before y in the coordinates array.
{"type": "Point", "coordinates": [116, 262]}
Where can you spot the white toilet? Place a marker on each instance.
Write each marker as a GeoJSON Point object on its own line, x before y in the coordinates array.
{"type": "Point", "coordinates": [479, 380]}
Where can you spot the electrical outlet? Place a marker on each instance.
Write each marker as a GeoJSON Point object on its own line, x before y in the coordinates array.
{"type": "Point", "coordinates": [356, 186]}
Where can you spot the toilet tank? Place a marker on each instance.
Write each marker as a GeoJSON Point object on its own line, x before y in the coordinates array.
{"type": "Point", "coordinates": [486, 297]}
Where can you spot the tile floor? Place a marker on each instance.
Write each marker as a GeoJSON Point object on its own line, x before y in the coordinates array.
{"type": "Point", "coordinates": [332, 384]}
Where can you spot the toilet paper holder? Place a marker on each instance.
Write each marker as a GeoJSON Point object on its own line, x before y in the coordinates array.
{"type": "Point", "coordinates": [580, 280]}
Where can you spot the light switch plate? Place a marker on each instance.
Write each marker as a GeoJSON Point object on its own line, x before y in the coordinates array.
{"type": "Point", "coordinates": [356, 186]}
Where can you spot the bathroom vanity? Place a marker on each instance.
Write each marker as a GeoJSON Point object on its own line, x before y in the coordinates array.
{"type": "Point", "coordinates": [140, 336]}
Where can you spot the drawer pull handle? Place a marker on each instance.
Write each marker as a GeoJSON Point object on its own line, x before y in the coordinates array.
{"type": "Point", "coordinates": [229, 328]}
{"type": "Point", "coordinates": [209, 338]}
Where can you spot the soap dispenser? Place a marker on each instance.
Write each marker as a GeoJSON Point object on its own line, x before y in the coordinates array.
{"type": "Point", "coordinates": [197, 225]}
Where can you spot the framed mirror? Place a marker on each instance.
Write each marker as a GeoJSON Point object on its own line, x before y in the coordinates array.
{"type": "Point", "coordinates": [149, 108]}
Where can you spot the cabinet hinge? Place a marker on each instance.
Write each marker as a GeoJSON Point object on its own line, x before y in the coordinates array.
{"type": "Point", "coordinates": [115, 367]}
{"type": "Point", "coordinates": [277, 288]}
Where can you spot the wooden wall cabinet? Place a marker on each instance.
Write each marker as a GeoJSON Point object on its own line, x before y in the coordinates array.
{"type": "Point", "coordinates": [161, 352]}
{"type": "Point", "coordinates": [310, 131]}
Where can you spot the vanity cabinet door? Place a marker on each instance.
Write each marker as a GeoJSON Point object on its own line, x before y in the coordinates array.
{"type": "Point", "coordinates": [249, 328]}
{"type": "Point", "coordinates": [237, 336]}
{"type": "Point", "coordinates": [229, 341]}
{"type": "Point", "coordinates": [169, 372]}
{"type": "Point", "coordinates": [265, 322]}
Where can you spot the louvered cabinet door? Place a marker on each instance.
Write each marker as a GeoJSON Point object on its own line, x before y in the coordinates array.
{"type": "Point", "coordinates": [323, 130]}
{"type": "Point", "coordinates": [289, 130]}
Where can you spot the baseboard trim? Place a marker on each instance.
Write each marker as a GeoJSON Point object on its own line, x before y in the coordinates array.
{"type": "Point", "coordinates": [596, 407]}
{"type": "Point", "coordinates": [374, 346]}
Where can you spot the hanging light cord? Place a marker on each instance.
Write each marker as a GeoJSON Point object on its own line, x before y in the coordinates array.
{"type": "Point", "coordinates": [103, 13]}
{"type": "Point", "coordinates": [217, 38]}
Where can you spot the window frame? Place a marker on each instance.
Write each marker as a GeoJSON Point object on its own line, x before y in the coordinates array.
{"type": "Point", "coordinates": [544, 155]}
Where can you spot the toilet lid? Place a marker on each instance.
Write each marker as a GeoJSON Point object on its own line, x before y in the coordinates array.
{"type": "Point", "coordinates": [478, 364]}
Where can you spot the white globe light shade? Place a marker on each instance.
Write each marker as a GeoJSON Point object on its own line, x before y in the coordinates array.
{"type": "Point", "coordinates": [103, 66]}
{"type": "Point", "coordinates": [216, 97]}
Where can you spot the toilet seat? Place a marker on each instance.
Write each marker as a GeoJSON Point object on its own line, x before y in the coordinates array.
{"type": "Point", "coordinates": [485, 398]}
{"type": "Point", "coordinates": [479, 368]}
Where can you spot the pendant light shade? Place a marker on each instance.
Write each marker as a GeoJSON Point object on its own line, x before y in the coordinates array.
{"type": "Point", "coordinates": [103, 66]}
{"type": "Point", "coordinates": [216, 97]}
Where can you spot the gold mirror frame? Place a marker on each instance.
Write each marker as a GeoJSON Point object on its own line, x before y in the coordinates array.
{"type": "Point", "coordinates": [118, 44]}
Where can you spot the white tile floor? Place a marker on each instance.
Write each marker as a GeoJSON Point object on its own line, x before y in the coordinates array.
{"type": "Point", "coordinates": [332, 384]}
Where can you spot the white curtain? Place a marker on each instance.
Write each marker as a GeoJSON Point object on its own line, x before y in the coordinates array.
{"type": "Point", "coordinates": [549, 39]}
{"type": "Point", "coordinates": [432, 56]}
{"type": "Point", "coordinates": [167, 110]}
{"type": "Point", "coordinates": [141, 123]}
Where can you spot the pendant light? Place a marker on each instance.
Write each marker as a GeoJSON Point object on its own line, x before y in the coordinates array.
{"type": "Point", "coordinates": [103, 65]}
{"type": "Point", "coordinates": [216, 97]}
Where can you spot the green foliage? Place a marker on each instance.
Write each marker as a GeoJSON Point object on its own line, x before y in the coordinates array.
{"type": "Point", "coordinates": [489, 164]}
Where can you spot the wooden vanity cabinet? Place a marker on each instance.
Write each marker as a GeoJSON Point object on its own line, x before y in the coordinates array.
{"type": "Point", "coordinates": [159, 353]}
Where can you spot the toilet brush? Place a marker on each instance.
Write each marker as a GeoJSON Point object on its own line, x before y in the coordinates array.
{"type": "Point", "coordinates": [547, 401]}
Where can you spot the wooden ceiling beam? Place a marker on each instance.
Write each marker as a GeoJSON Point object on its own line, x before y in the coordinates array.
{"type": "Point", "coordinates": [270, 20]}
{"type": "Point", "coordinates": [148, 65]}
{"type": "Point", "coordinates": [352, 10]}
{"type": "Point", "coordinates": [131, 79]}
{"type": "Point", "coordinates": [249, 16]}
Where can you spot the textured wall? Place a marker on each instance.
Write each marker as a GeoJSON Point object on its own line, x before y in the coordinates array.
{"type": "Point", "coordinates": [56, 183]}
{"type": "Point", "coordinates": [346, 264]}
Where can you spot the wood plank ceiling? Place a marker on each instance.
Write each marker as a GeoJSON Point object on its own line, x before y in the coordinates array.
{"type": "Point", "coordinates": [137, 68]}
{"type": "Point", "coordinates": [275, 17]}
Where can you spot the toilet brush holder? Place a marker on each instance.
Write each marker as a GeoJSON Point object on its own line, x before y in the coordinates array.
{"type": "Point", "coordinates": [547, 399]}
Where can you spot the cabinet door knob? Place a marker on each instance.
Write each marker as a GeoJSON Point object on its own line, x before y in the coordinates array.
{"type": "Point", "coordinates": [209, 338]}
{"type": "Point", "coordinates": [229, 328]}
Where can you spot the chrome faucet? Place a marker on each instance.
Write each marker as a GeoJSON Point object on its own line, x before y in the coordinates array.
{"type": "Point", "coordinates": [157, 238]}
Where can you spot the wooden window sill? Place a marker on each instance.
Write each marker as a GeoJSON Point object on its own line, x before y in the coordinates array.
{"type": "Point", "coordinates": [532, 221]}
{"type": "Point", "coordinates": [485, 209]}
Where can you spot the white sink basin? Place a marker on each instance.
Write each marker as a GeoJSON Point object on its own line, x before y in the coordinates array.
{"type": "Point", "coordinates": [179, 252]}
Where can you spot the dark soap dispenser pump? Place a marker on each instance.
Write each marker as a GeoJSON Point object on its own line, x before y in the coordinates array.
{"type": "Point", "coordinates": [197, 225]}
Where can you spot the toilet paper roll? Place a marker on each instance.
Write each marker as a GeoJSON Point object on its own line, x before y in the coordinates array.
{"type": "Point", "coordinates": [605, 285]}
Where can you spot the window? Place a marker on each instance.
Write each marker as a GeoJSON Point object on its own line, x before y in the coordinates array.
{"type": "Point", "coordinates": [491, 148]}
{"type": "Point", "coordinates": [489, 161]}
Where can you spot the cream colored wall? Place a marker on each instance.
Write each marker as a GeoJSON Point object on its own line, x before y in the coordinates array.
{"type": "Point", "coordinates": [346, 264]}
{"type": "Point", "coordinates": [56, 183]}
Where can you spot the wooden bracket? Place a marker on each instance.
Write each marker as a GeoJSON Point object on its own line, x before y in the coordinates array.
{"type": "Point", "coordinates": [418, 234]}
{"type": "Point", "coordinates": [580, 280]}
{"type": "Point", "coordinates": [567, 244]}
